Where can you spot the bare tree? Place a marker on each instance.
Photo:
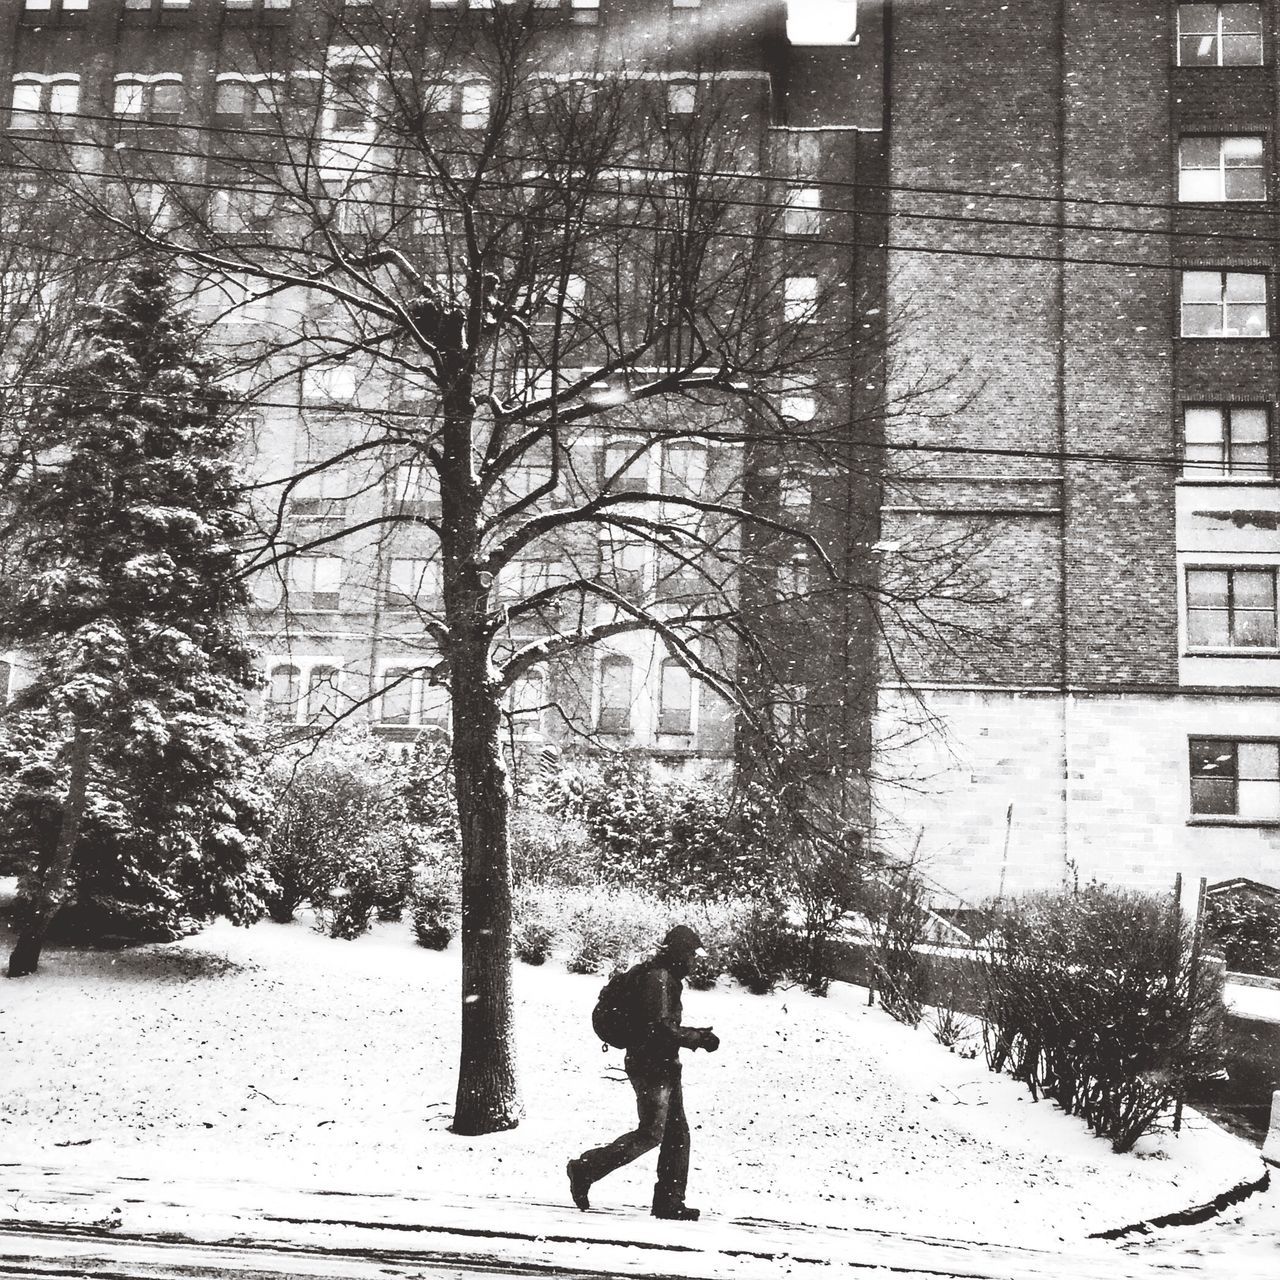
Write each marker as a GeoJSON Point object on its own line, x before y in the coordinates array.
{"type": "Point", "coordinates": [565, 371]}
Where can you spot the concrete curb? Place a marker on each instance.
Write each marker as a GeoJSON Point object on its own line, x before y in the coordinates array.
{"type": "Point", "coordinates": [1194, 1214]}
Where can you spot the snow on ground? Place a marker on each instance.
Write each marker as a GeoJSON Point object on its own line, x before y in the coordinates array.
{"type": "Point", "coordinates": [277, 1055]}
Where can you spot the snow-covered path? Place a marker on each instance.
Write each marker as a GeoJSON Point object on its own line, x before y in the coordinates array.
{"type": "Point", "coordinates": [274, 1062]}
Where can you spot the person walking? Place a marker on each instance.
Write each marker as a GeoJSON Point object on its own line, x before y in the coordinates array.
{"type": "Point", "coordinates": [653, 1067]}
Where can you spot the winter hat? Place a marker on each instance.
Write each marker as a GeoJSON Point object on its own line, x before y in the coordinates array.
{"type": "Point", "coordinates": [681, 940]}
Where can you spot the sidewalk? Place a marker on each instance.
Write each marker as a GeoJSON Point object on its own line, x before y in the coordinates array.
{"type": "Point", "coordinates": [321, 1223]}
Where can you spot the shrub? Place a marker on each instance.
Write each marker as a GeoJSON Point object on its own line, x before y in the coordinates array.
{"type": "Point", "coordinates": [434, 897]}
{"type": "Point", "coordinates": [756, 946]}
{"type": "Point", "coordinates": [1247, 929]}
{"type": "Point", "coordinates": [1092, 999]}
{"type": "Point", "coordinates": [898, 924]}
{"type": "Point", "coordinates": [550, 849]}
{"type": "Point", "coordinates": [340, 833]}
{"type": "Point", "coordinates": [696, 837]}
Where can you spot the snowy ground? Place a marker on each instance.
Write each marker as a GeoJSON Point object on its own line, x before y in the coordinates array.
{"type": "Point", "coordinates": [274, 1056]}
{"type": "Point", "coordinates": [1261, 1003]}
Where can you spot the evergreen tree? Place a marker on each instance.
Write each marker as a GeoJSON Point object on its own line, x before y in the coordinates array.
{"type": "Point", "coordinates": [129, 766]}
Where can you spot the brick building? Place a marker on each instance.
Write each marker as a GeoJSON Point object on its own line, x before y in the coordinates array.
{"type": "Point", "coordinates": [1083, 217]}
{"type": "Point", "coordinates": [181, 83]}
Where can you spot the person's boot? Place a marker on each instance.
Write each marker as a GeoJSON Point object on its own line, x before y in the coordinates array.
{"type": "Point", "coordinates": [676, 1212]}
{"type": "Point", "coordinates": [579, 1184]}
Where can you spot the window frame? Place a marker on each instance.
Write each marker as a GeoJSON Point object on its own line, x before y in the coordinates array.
{"type": "Point", "coordinates": [1225, 469]}
{"type": "Point", "coordinates": [1223, 302]}
{"type": "Point", "coordinates": [1217, 37]}
{"type": "Point", "coordinates": [1222, 169]}
{"type": "Point", "coordinates": [43, 116]}
{"type": "Point", "coordinates": [615, 719]}
{"type": "Point", "coordinates": [148, 84]}
{"type": "Point", "coordinates": [1202, 745]}
{"type": "Point", "coordinates": [1233, 612]}
{"type": "Point", "coordinates": [674, 719]}
{"type": "Point", "coordinates": [309, 592]}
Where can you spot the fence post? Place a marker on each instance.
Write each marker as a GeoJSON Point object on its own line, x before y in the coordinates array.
{"type": "Point", "coordinates": [1271, 1148]}
{"type": "Point", "coordinates": [1193, 980]}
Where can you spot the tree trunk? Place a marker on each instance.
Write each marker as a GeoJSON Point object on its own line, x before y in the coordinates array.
{"type": "Point", "coordinates": [488, 1098]}
{"type": "Point", "coordinates": [25, 957]}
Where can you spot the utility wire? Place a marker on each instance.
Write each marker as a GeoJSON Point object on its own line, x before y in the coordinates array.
{"type": "Point", "coordinates": [778, 206]}
{"type": "Point", "coordinates": [791, 180]}
{"type": "Point", "coordinates": [723, 234]}
{"type": "Point", "coordinates": [1165, 462]}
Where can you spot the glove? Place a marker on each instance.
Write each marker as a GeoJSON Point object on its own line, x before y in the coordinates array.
{"type": "Point", "coordinates": [710, 1041]}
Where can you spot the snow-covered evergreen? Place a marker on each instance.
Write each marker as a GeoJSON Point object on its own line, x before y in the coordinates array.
{"type": "Point", "coordinates": [127, 759]}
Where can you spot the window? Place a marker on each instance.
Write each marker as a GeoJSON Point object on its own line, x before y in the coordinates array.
{"type": "Point", "coordinates": [1235, 777]}
{"type": "Point", "coordinates": [412, 581]}
{"type": "Point", "coordinates": [323, 689]}
{"type": "Point", "coordinates": [473, 105]}
{"type": "Point", "coordinates": [803, 215]}
{"type": "Point", "coordinates": [408, 699]}
{"type": "Point", "coordinates": [1226, 440]}
{"type": "Point", "coordinates": [800, 299]}
{"type": "Point", "coordinates": [247, 99]}
{"type": "Point", "coordinates": [315, 582]}
{"type": "Point", "coordinates": [242, 210]}
{"type": "Point", "coordinates": [353, 96]}
{"type": "Point", "coordinates": [416, 489]}
{"type": "Point", "coordinates": [584, 12]}
{"type": "Point", "coordinates": [38, 100]}
{"type": "Point", "coordinates": [682, 99]}
{"type": "Point", "coordinates": [626, 467]}
{"type": "Point", "coordinates": [159, 99]}
{"type": "Point", "coordinates": [163, 4]}
{"type": "Point", "coordinates": [1231, 608]}
{"type": "Point", "coordinates": [686, 4]}
{"type": "Point", "coordinates": [684, 468]}
{"type": "Point", "coordinates": [320, 495]}
{"type": "Point", "coordinates": [792, 577]}
{"type": "Point", "coordinates": [795, 496]}
{"type": "Point", "coordinates": [615, 695]}
{"type": "Point", "coordinates": [1221, 167]}
{"type": "Point", "coordinates": [526, 702]}
{"type": "Point", "coordinates": [396, 705]}
{"type": "Point", "coordinates": [283, 690]}
{"type": "Point", "coordinates": [623, 564]}
{"type": "Point", "coordinates": [797, 401]}
{"type": "Point", "coordinates": [1224, 304]}
{"type": "Point", "coordinates": [1219, 35]}
{"type": "Point", "coordinates": [63, 6]}
{"type": "Point", "coordinates": [675, 698]}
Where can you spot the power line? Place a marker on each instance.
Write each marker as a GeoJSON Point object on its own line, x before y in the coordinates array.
{"type": "Point", "coordinates": [778, 206]}
{"type": "Point", "coordinates": [1253, 209]}
{"type": "Point", "coordinates": [794, 242]}
{"type": "Point", "coordinates": [1164, 462]}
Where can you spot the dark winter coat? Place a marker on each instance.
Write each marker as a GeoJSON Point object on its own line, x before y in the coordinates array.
{"type": "Point", "coordinates": [660, 1007]}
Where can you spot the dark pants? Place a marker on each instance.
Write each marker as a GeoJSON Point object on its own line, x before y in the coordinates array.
{"type": "Point", "coordinates": [660, 1106]}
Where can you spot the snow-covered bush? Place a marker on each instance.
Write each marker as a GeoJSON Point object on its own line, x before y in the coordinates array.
{"type": "Point", "coordinates": [1247, 930]}
{"type": "Point", "coordinates": [1092, 998]}
{"type": "Point", "coordinates": [340, 839]}
{"type": "Point", "coordinates": [434, 897]}
{"type": "Point", "coordinates": [549, 848]}
{"type": "Point", "coordinates": [696, 838]}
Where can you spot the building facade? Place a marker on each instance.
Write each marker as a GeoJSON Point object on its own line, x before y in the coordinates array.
{"type": "Point", "coordinates": [1083, 221]}
{"type": "Point", "coordinates": [192, 88]}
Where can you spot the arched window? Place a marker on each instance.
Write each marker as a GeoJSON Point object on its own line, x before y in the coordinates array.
{"type": "Point", "coordinates": [283, 691]}
{"type": "Point", "coordinates": [675, 698]}
{"type": "Point", "coordinates": [615, 695]}
{"type": "Point", "coordinates": [322, 694]}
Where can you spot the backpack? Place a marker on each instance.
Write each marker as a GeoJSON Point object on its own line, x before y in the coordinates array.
{"type": "Point", "coordinates": [617, 1017]}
